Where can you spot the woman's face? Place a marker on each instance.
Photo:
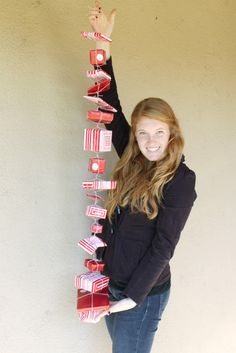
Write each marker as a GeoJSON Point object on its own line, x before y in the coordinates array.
{"type": "Point", "coordinates": [152, 136]}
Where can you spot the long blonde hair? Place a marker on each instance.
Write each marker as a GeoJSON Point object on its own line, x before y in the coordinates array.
{"type": "Point", "coordinates": [140, 182]}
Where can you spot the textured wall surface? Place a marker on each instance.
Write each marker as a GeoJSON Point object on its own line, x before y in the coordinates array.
{"type": "Point", "coordinates": [184, 53]}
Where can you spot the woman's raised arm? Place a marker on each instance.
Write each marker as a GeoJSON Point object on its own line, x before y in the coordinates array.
{"type": "Point", "coordinates": [105, 24]}
{"type": "Point", "coordinates": [102, 24]}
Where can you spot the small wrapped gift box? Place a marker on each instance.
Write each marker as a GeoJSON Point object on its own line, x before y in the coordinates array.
{"type": "Point", "coordinates": [98, 75]}
{"type": "Point", "coordinates": [97, 140]}
{"type": "Point", "coordinates": [97, 57]}
{"type": "Point", "coordinates": [100, 87]}
{"type": "Point", "coordinates": [100, 117]}
{"type": "Point", "coordinates": [87, 301]}
{"type": "Point", "coordinates": [101, 103]}
{"type": "Point", "coordinates": [96, 228]}
{"type": "Point", "coordinates": [94, 265]}
{"type": "Point", "coordinates": [91, 281]}
{"type": "Point", "coordinates": [91, 244]}
{"type": "Point", "coordinates": [96, 212]}
{"type": "Point", "coordinates": [97, 165]}
{"type": "Point", "coordinates": [95, 36]}
{"type": "Point", "coordinates": [99, 185]}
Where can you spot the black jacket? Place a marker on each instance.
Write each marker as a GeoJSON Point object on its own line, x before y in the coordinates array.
{"type": "Point", "coordinates": [138, 249]}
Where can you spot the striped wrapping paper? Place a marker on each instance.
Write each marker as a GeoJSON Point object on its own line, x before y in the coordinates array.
{"type": "Point", "coordinates": [101, 103]}
{"type": "Point", "coordinates": [95, 36]}
{"type": "Point", "coordinates": [98, 75]}
{"type": "Point", "coordinates": [96, 212]}
{"type": "Point", "coordinates": [91, 244]}
{"type": "Point", "coordinates": [91, 281]}
{"type": "Point", "coordinates": [97, 140]}
{"type": "Point", "coordinates": [99, 185]}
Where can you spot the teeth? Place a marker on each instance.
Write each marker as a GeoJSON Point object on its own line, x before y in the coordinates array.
{"type": "Point", "coordinates": [153, 149]}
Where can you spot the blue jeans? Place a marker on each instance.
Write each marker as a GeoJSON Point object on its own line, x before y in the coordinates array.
{"type": "Point", "coordinates": [133, 331]}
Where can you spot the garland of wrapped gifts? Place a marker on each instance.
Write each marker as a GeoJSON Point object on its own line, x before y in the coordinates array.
{"type": "Point", "coordinates": [92, 286]}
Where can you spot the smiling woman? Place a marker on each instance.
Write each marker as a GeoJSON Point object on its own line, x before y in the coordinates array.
{"type": "Point", "coordinates": [146, 212]}
{"type": "Point", "coordinates": [150, 158]}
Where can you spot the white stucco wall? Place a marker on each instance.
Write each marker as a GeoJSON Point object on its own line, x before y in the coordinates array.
{"type": "Point", "coordinates": [184, 52]}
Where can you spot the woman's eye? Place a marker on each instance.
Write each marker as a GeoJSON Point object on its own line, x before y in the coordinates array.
{"type": "Point", "coordinates": [160, 132]}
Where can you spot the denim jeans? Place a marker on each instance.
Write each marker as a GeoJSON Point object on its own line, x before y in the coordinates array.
{"type": "Point", "coordinates": [133, 331]}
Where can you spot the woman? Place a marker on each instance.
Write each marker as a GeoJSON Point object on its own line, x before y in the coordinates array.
{"type": "Point", "coordinates": [146, 213]}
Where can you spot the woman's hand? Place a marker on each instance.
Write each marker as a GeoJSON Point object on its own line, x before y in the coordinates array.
{"type": "Point", "coordinates": [121, 305]}
{"type": "Point", "coordinates": [100, 22]}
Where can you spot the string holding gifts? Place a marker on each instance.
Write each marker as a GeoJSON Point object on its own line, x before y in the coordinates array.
{"type": "Point", "coordinates": [92, 286]}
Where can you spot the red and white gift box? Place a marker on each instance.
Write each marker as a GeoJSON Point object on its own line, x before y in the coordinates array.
{"type": "Point", "coordinates": [97, 165]}
{"type": "Point", "coordinates": [96, 212]}
{"type": "Point", "coordinates": [97, 140]}
{"type": "Point", "coordinates": [91, 281]}
{"type": "Point", "coordinates": [98, 75]}
{"type": "Point", "coordinates": [97, 57]}
{"type": "Point", "coordinates": [101, 103]}
{"type": "Point", "coordinates": [87, 301]}
{"type": "Point", "coordinates": [99, 185]}
{"type": "Point", "coordinates": [100, 87]}
{"type": "Point", "coordinates": [100, 117]}
{"type": "Point", "coordinates": [96, 228]}
{"type": "Point", "coordinates": [94, 265]}
{"type": "Point", "coordinates": [95, 36]}
{"type": "Point", "coordinates": [91, 244]}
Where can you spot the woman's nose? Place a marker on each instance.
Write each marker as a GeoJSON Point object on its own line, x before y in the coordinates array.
{"type": "Point", "coordinates": [152, 139]}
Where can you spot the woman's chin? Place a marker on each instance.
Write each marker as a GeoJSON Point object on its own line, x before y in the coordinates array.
{"type": "Point", "coordinates": [152, 158]}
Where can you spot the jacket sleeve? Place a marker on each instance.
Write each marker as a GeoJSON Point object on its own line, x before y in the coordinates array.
{"type": "Point", "coordinates": [171, 219]}
{"type": "Point", "coordinates": [119, 126]}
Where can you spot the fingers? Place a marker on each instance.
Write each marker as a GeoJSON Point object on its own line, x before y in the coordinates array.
{"type": "Point", "coordinates": [92, 321]}
{"type": "Point", "coordinates": [99, 21]}
{"type": "Point", "coordinates": [112, 16]}
{"type": "Point", "coordinates": [100, 316]}
{"type": "Point", "coordinates": [103, 314]}
{"type": "Point", "coordinates": [93, 16]}
{"type": "Point", "coordinates": [94, 13]}
{"type": "Point", "coordinates": [97, 3]}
